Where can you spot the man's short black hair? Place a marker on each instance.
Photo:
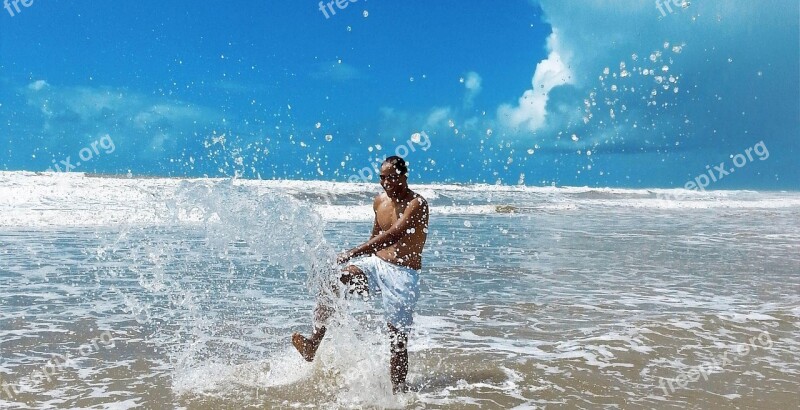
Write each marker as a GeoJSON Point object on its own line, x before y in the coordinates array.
{"type": "Point", "coordinates": [398, 162]}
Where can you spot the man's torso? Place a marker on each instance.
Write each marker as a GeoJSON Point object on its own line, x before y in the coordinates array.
{"type": "Point", "coordinates": [408, 250]}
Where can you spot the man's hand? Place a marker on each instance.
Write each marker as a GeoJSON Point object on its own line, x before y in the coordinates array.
{"type": "Point", "coordinates": [344, 257]}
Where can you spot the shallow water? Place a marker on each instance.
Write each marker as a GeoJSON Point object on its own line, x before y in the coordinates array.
{"type": "Point", "coordinates": [169, 294]}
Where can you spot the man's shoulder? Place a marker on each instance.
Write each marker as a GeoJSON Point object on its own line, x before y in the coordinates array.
{"type": "Point", "coordinates": [420, 204]}
{"type": "Point", "coordinates": [421, 199]}
{"type": "Point", "coordinates": [380, 198]}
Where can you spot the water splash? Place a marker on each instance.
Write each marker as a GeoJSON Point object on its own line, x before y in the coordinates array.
{"type": "Point", "coordinates": [210, 278]}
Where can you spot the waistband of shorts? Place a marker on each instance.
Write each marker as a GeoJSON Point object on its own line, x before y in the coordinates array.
{"type": "Point", "coordinates": [396, 266]}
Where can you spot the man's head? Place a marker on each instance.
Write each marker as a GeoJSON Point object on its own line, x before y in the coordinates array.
{"type": "Point", "coordinates": [393, 176]}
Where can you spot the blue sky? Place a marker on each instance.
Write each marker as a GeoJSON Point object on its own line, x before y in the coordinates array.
{"type": "Point", "coordinates": [595, 92]}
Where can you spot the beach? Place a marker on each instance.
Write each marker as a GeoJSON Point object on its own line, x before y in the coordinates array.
{"type": "Point", "coordinates": [183, 293]}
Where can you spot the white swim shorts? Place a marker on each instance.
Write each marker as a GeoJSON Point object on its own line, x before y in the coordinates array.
{"type": "Point", "coordinates": [397, 285]}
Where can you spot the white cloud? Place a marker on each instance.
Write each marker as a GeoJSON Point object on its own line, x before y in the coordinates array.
{"type": "Point", "coordinates": [531, 112]}
{"type": "Point", "coordinates": [37, 85]}
{"type": "Point", "coordinates": [472, 82]}
{"type": "Point", "coordinates": [89, 102]}
{"type": "Point", "coordinates": [722, 46]}
{"type": "Point", "coordinates": [147, 122]}
{"type": "Point", "coordinates": [438, 117]}
{"type": "Point", "coordinates": [166, 112]}
{"type": "Point", "coordinates": [336, 71]}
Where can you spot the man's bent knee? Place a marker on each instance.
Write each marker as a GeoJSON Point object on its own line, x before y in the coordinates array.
{"type": "Point", "coordinates": [356, 278]}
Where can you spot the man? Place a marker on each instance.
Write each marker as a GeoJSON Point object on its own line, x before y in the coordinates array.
{"type": "Point", "coordinates": [388, 264]}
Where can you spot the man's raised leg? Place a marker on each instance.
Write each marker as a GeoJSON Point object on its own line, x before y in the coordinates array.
{"type": "Point", "coordinates": [351, 276]}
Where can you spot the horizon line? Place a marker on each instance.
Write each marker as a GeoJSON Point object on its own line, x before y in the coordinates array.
{"type": "Point", "coordinates": [454, 183]}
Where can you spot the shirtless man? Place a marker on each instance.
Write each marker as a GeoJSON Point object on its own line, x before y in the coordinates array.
{"type": "Point", "coordinates": [387, 264]}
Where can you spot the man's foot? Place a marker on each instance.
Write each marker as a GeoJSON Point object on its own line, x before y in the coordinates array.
{"type": "Point", "coordinates": [308, 347]}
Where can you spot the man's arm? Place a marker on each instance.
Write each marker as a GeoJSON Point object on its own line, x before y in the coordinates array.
{"type": "Point", "coordinates": [376, 228]}
{"type": "Point", "coordinates": [390, 236]}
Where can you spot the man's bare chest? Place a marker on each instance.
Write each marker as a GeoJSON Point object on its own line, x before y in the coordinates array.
{"type": "Point", "coordinates": [389, 213]}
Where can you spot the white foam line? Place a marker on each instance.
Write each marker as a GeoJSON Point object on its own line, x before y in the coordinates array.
{"type": "Point", "coordinates": [73, 199]}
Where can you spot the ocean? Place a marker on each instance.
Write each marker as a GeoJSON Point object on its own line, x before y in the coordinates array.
{"type": "Point", "coordinates": [155, 293]}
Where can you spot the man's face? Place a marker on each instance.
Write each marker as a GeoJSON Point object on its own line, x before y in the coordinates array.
{"type": "Point", "coordinates": [391, 180]}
